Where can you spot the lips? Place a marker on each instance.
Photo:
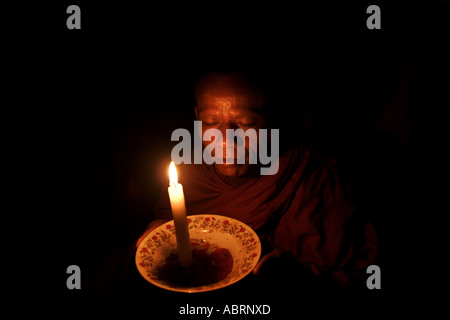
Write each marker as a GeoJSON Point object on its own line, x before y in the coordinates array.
{"type": "Point", "coordinates": [229, 165]}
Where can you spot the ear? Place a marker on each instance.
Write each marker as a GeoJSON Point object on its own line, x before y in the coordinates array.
{"type": "Point", "coordinates": [196, 112]}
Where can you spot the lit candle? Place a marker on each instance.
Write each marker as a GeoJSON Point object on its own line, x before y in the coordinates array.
{"type": "Point", "coordinates": [176, 196]}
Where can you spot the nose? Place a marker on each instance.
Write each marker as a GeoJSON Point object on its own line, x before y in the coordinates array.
{"type": "Point", "coordinates": [227, 148]}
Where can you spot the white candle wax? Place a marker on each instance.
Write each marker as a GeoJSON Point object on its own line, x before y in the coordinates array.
{"type": "Point", "coordinates": [177, 204]}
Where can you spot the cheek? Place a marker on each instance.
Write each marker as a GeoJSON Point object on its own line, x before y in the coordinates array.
{"type": "Point", "coordinates": [207, 141]}
{"type": "Point", "coordinates": [204, 143]}
{"type": "Point", "coordinates": [252, 148]}
{"type": "Point", "coordinates": [213, 141]}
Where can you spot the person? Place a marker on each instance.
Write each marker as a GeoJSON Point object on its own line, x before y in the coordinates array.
{"type": "Point", "coordinates": [305, 211]}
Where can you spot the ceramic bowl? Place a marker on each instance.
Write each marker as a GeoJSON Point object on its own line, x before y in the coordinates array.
{"type": "Point", "coordinates": [235, 236]}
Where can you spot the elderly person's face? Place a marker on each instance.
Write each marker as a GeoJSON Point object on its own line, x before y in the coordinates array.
{"type": "Point", "coordinates": [227, 102]}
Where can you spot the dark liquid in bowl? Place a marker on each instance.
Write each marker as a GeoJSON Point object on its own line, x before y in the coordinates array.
{"type": "Point", "coordinates": [210, 264]}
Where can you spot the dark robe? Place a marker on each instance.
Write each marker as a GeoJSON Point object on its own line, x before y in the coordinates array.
{"type": "Point", "coordinates": [305, 210]}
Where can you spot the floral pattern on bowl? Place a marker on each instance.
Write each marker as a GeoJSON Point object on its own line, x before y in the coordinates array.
{"type": "Point", "coordinates": [231, 234]}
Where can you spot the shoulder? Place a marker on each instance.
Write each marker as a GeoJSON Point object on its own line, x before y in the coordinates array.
{"type": "Point", "coordinates": [320, 172]}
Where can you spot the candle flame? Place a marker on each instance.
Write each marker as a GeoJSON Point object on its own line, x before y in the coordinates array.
{"type": "Point", "coordinates": [173, 174]}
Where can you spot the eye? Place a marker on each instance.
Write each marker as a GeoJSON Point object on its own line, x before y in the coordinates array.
{"type": "Point", "coordinates": [210, 123]}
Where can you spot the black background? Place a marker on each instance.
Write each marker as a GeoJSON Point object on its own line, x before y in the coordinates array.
{"type": "Point", "coordinates": [99, 104]}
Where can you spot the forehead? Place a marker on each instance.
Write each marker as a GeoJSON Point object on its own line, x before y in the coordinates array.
{"type": "Point", "coordinates": [212, 103]}
{"type": "Point", "coordinates": [230, 93]}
